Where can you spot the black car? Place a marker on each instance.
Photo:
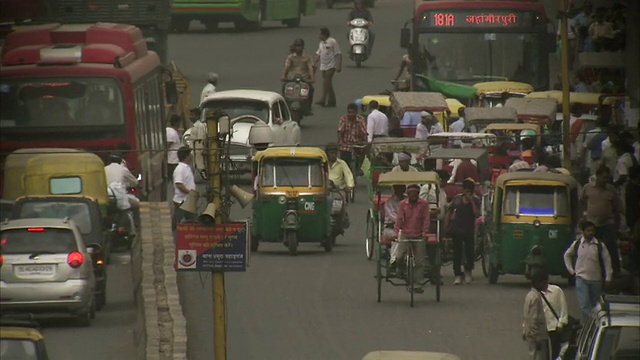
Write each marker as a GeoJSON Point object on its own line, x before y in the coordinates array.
{"type": "Point", "coordinates": [85, 212]}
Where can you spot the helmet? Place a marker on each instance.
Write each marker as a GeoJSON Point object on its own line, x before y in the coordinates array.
{"type": "Point", "coordinates": [298, 42]}
{"type": "Point", "coordinates": [527, 134]}
{"type": "Point", "coordinates": [116, 157]}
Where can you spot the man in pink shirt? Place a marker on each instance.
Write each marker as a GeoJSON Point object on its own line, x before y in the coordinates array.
{"type": "Point", "coordinates": [412, 223]}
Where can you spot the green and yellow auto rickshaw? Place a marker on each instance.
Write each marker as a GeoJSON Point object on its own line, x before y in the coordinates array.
{"type": "Point", "coordinates": [533, 222]}
{"type": "Point", "coordinates": [292, 198]}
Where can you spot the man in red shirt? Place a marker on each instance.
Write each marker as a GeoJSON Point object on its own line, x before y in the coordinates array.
{"type": "Point", "coordinates": [412, 223]}
{"type": "Point", "coordinates": [465, 169]}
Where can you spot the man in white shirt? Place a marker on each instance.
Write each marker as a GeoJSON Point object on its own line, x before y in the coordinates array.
{"type": "Point", "coordinates": [330, 58]}
{"type": "Point", "coordinates": [404, 163]}
{"type": "Point", "coordinates": [437, 201]}
{"type": "Point", "coordinates": [410, 118]}
{"type": "Point", "coordinates": [117, 171]}
{"type": "Point", "coordinates": [183, 182]}
{"type": "Point", "coordinates": [553, 297]}
{"type": "Point", "coordinates": [173, 143]}
{"type": "Point", "coordinates": [458, 126]}
{"type": "Point", "coordinates": [428, 126]}
{"type": "Point", "coordinates": [210, 87]}
{"type": "Point", "coordinates": [377, 122]}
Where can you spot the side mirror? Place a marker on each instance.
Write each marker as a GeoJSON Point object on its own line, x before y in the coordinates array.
{"type": "Point", "coordinates": [171, 92]}
{"type": "Point", "coordinates": [93, 248]}
{"type": "Point", "coordinates": [405, 38]}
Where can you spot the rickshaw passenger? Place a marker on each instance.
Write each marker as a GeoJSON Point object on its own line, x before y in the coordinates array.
{"type": "Point", "coordinates": [404, 161]}
{"type": "Point", "coordinates": [390, 212]}
{"type": "Point", "coordinates": [412, 222]}
{"type": "Point", "coordinates": [428, 126]}
{"type": "Point", "coordinates": [411, 118]}
{"type": "Point", "coordinates": [428, 194]}
{"type": "Point", "coordinates": [339, 171]}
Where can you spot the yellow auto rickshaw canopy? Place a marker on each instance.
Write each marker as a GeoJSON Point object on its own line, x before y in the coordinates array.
{"type": "Point", "coordinates": [409, 355]}
{"type": "Point", "coordinates": [418, 101]}
{"type": "Point", "coordinates": [383, 100]}
{"type": "Point", "coordinates": [499, 87]}
{"type": "Point", "coordinates": [454, 106]}
{"type": "Point", "coordinates": [41, 169]}
{"type": "Point", "coordinates": [408, 178]}
{"type": "Point", "coordinates": [529, 178]}
{"type": "Point", "coordinates": [14, 167]}
{"type": "Point", "coordinates": [293, 151]}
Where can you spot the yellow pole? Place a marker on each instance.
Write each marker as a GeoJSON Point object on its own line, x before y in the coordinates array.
{"type": "Point", "coordinates": [564, 71]}
{"type": "Point", "coordinates": [217, 277]}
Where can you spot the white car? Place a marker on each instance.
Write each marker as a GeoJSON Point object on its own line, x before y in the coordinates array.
{"type": "Point", "coordinates": [245, 108]}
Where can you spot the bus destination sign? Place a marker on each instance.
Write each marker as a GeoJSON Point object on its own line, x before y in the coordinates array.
{"type": "Point", "coordinates": [477, 19]}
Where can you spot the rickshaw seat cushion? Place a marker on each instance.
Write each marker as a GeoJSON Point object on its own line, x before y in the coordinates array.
{"type": "Point", "coordinates": [498, 160]}
{"type": "Point", "coordinates": [409, 131]}
{"type": "Point", "coordinates": [495, 173]}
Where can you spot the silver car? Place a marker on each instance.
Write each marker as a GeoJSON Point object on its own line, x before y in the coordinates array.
{"type": "Point", "coordinates": [46, 268]}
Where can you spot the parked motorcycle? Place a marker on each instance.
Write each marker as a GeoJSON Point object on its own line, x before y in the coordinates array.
{"type": "Point", "coordinates": [296, 94]}
{"type": "Point", "coordinates": [359, 40]}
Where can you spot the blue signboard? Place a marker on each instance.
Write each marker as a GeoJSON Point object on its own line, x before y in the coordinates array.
{"type": "Point", "coordinates": [222, 247]}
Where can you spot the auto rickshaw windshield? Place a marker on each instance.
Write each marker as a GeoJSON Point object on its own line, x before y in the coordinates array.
{"type": "Point", "coordinates": [292, 172]}
{"type": "Point", "coordinates": [78, 212]}
{"type": "Point", "coordinates": [537, 201]}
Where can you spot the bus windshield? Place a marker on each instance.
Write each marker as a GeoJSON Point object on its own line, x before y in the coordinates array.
{"type": "Point", "coordinates": [60, 102]}
{"type": "Point", "coordinates": [474, 57]}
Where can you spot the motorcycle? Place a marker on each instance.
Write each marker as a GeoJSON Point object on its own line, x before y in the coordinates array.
{"type": "Point", "coordinates": [296, 94]}
{"type": "Point", "coordinates": [359, 40]}
{"type": "Point", "coordinates": [123, 221]}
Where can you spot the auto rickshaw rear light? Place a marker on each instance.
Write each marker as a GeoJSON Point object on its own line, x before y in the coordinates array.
{"type": "Point", "coordinates": [288, 91]}
{"type": "Point", "coordinates": [75, 259]}
{"type": "Point", "coordinates": [99, 262]}
{"type": "Point", "coordinates": [122, 229]}
{"type": "Point", "coordinates": [35, 229]}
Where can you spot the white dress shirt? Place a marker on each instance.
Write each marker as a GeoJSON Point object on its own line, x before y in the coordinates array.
{"type": "Point", "coordinates": [206, 91]}
{"type": "Point", "coordinates": [174, 143]}
{"type": "Point", "coordinates": [183, 175]}
{"type": "Point", "coordinates": [457, 126]}
{"type": "Point", "coordinates": [428, 194]}
{"type": "Point", "coordinates": [115, 172]}
{"type": "Point", "coordinates": [422, 132]}
{"type": "Point", "coordinates": [377, 124]}
{"type": "Point", "coordinates": [556, 298]}
{"type": "Point", "coordinates": [327, 51]}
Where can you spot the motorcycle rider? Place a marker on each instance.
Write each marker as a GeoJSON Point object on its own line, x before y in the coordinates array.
{"type": "Point", "coordinates": [299, 62]}
{"type": "Point", "coordinates": [339, 173]}
{"type": "Point", "coordinates": [119, 179]}
{"type": "Point", "coordinates": [360, 12]}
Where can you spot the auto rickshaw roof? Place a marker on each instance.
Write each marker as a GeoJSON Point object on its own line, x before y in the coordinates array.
{"type": "Point", "coordinates": [513, 127]}
{"type": "Point", "coordinates": [21, 156]}
{"type": "Point", "coordinates": [409, 355]}
{"type": "Point", "coordinates": [441, 138]}
{"type": "Point", "coordinates": [408, 178]}
{"type": "Point", "coordinates": [546, 108]}
{"type": "Point", "coordinates": [418, 101]}
{"type": "Point", "coordinates": [291, 152]}
{"type": "Point", "coordinates": [454, 105]}
{"type": "Point", "coordinates": [497, 114]}
{"type": "Point", "coordinates": [603, 59]}
{"type": "Point", "coordinates": [457, 153]}
{"type": "Point", "coordinates": [72, 160]}
{"type": "Point", "coordinates": [536, 176]}
{"type": "Point", "coordinates": [383, 100]}
{"type": "Point", "coordinates": [398, 145]}
{"type": "Point", "coordinates": [498, 87]}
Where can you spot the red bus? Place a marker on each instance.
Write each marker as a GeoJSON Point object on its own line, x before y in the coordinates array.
{"type": "Point", "coordinates": [94, 87]}
{"type": "Point", "coordinates": [470, 41]}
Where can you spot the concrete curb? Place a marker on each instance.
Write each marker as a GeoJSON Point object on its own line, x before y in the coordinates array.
{"type": "Point", "coordinates": [164, 321]}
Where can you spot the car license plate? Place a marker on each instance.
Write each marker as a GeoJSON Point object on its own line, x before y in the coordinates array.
{"type": "Point", "coordinates": [304, 92]}
{"type": "Point", "coordinates": [34, 270]}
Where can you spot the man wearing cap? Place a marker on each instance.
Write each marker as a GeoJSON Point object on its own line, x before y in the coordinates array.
{"type": "Point", "coordinates": [404, 161]}
{"type": "Point", "coordinates": [377, 122]}
{"type": "Point", "coordinates": [412, 223]}
{"type": "Point", "coordinates": [428, 126]}
{"type": "Point", "coordinates": [210, 87]}
{"type": "Point", "coordinates": [339, 172]}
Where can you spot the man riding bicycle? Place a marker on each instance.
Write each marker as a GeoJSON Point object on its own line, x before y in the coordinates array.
{"type": "Point", "coordinates": [352, 130]}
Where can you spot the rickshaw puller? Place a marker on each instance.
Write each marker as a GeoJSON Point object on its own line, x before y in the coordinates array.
{"type": "Point", "coordinates": [413, 220]}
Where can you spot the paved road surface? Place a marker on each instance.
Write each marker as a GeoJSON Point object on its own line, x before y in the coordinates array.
{"type": "Point", "coordinates": [110, 336]}
{"type": "Point", "coordinates": [322, 305]}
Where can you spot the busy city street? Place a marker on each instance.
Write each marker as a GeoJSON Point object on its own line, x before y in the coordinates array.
{"type": "Point", "coordinates": [321, 305]}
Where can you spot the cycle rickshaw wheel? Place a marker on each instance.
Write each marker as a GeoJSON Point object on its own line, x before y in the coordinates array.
{"type": "Point", "coordinates": [411, 274]}
{"type": "Point", "coordinates": [370, 237]}
{"type": "Point", "coordinates": [379, 272]}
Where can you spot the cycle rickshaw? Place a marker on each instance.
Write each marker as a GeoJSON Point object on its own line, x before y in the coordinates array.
{"type": "Point", "coordinates": [380, 158]}
{"type": "Point", "coordinates": [402, 102]}
{"type": "Point", "coordinates": [433, 260]}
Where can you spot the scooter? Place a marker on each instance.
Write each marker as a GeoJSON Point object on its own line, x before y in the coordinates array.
{"type": "Point", "coordinates": [339, 216]}
{"type": "Point", "coordinates": [296, 94]}
{"type": "Point", "coordinates": [359, 40]}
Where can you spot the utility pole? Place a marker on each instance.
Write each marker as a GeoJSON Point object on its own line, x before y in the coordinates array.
{"type": "Point", "coordinates": [564, 71]}
{"type": "Point", "coordinates": [217, 277]}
